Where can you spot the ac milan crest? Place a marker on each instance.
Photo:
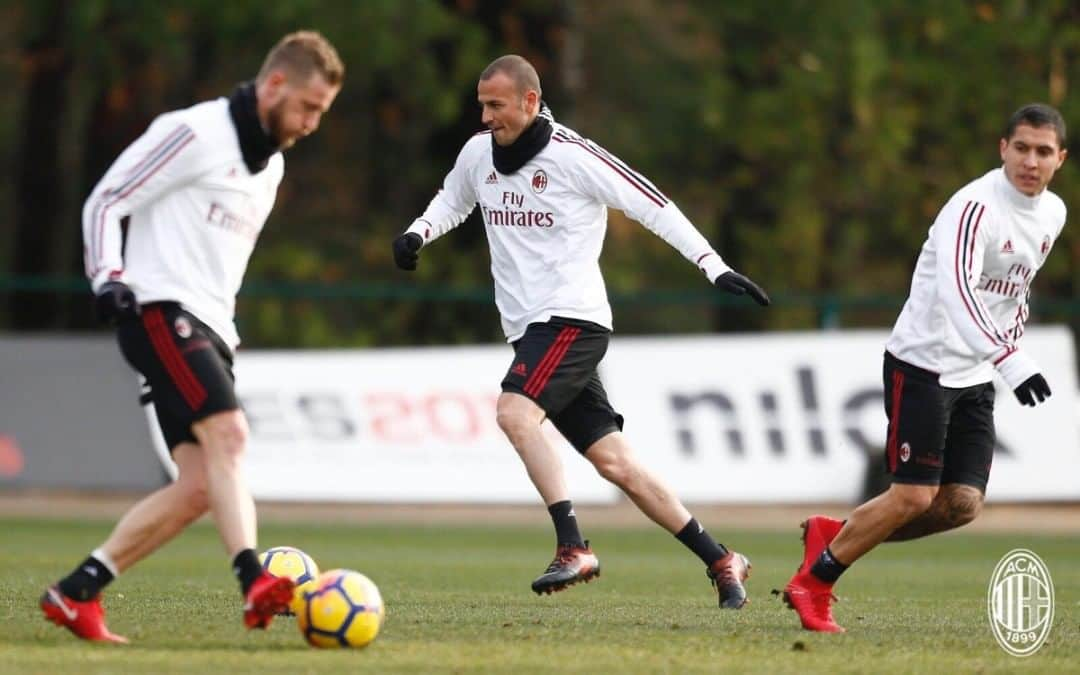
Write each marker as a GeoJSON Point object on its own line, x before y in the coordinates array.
{"type": "Point", "coordinates": [182, 327]}
{"type": "Point", "coordinates": [539, 181]}
{"type": "Point", "coordinates": [905, 452]}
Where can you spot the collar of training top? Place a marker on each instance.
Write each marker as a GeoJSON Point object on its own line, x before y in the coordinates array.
{"type": "Point", "coordinates": [509, 158]}
{"type": "Point", "coordinates": [256, 145]}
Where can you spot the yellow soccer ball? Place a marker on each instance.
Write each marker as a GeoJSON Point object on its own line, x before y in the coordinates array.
{"type": "Point", "coordinates": [286, 561]}
{"type": "Point", "coordinates": [345, 609]}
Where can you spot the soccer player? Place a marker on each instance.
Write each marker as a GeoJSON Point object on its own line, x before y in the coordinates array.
{"type": "Point", "coordinates": [543, 192]}
{"type": "Point", "coordinates": [196, 188]}
{"type": "Point", "coordinates": [964, 319]}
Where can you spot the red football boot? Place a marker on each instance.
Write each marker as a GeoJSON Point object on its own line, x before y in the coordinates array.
{"type": "Point", "coordinates": [812, 600]}
{"type": "Point", "coordinates": [85, 619]}
{"type": "Point", "coordinates": [267, 597]}
{"type": "Point", "coordinates": [570, 565]}
{"type": "Point", "coordinates": [727, 575]}
{"type": "Point", "coordinates": [818, 533]}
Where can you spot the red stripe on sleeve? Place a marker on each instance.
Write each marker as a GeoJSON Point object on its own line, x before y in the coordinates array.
{"type": "Point", "coordinates": [961, 276]}
{"type": "Point", "coordinates": [1008, 352]}
{"type": "Point", "coordinates": [172, 136]}
{"type": "Point", "coordinates": [616, 169]}
{"type": "Point", "coordinates": [100, 238]}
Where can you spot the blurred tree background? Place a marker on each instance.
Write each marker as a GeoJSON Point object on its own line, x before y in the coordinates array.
{"type": "Point", "coordinates": [811, 141]}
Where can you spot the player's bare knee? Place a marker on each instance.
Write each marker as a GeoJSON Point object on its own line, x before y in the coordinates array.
{"type": "Point", "coordinates": [511, 423]}
{"type": "Point", "coordinates": [517, 416]}
{"type": "Point", "coordinates": [232, 442]}
{"type": "Point", "coordinates": [613, 465]}
{"type": "Point", "coordinates": [196, 500]}
{"type": "Point", "coordinates": [191, 483]}
{"type": "Point", "coordinates": [963, 504]}
{"type": "Point", "coordinates": [911, 501]}
{"type": "Point", "coordinates": [223, 436]}
{"type": "Point", "coordinates": [614, 469]}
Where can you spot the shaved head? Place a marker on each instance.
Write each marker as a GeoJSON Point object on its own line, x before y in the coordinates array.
{"type": "Point", "coordinates": [517, 69]}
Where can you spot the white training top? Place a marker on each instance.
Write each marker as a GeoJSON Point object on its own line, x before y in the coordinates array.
{"type": "Point", "coordinates": [195, 213]}
{"type": "Point", "coordinates": [546, 222]}
{"type": "Point", "coordinates": [969, 292]}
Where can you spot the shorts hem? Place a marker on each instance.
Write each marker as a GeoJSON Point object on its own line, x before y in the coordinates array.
{"type": "Point", "coordinates": [512, 388]}
{"type": "Point", "coordinates": [978, 484]}
{"type": "Point", "coordinates": [209, 411]}
{"type": "Point", "coordinates": [195, 418]}
{"type": "Point", "coordinates": [916, 481]}
{"type": "Point", "coordinates": [597, 434]}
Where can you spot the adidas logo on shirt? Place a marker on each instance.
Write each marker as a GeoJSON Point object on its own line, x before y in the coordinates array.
{"type": "Point", "coordinates": [1008, 247]}
{"type": "Point", "coordinates": [491, 179]}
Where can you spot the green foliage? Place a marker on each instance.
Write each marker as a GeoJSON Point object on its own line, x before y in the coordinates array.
{"type": "Point", "coordinates": [814, 142]}
{"type": "Point", "coordinates": [811, 142]}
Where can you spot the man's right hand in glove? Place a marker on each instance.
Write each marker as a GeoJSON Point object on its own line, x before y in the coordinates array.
{"type": "Point", "coordinates": [115, 303]}
{"type": "Point", "coordinates": [407, 250]}
{"type": "Point", "coordinates": [1033, 390]}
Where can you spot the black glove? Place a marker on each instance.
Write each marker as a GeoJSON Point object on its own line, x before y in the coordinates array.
{"type": "Point", "coordinates": [406, 249]}
{"type": "Point", "coordinates": [1033, 390]}
{"type": "Point", "coordinates": [115, 303]}
{"type": "Point", "coordinates": [736, 284]}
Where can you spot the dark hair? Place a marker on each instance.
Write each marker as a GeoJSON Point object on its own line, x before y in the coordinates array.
{"type": "Point", "coordinates": [302, 54]}
{"type": "Point", "coordinates": [1037, 115]}
{"type": "Point", "coordinates": [517, 69]}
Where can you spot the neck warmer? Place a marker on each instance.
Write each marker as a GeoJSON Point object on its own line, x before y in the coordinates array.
{"type": "Point", "coordinates": [256, 144]}
{"type": "Point", "coordinates": [509, 158]}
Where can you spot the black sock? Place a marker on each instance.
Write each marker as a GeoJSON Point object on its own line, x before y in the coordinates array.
{"type": "Point", "coordinates": [695, 538]}
{"type": "Point", "coordinates": [247, 569]}
{"type": "Point", "coordinates": [827, 568]}
{"type": "Point", "coordinates": [566, 529]}
{"type": "Point", "coordinates": [86, 580]}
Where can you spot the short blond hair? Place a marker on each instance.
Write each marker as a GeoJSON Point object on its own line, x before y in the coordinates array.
{"type": "Point", "coordinates": [302, 54]}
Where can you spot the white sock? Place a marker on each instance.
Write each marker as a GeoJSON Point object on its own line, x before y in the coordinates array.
{"type": "Point", "coordinates": [106, 560]}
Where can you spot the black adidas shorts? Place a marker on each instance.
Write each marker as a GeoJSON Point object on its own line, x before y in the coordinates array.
{"type": "Point", "coordinates": [555, 366]}
{"type": "Point", "coordinates": [186, 366]}
{"type": "Point", "coordinates": [937, 435]}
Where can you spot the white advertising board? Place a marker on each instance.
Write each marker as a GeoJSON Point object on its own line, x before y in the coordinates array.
{"type": "Point", "coordinates": [389, 425]}
{"type": "Point", "coordinates": [775, 418]}
{"type": "Point", "coordinates": [794, 417]}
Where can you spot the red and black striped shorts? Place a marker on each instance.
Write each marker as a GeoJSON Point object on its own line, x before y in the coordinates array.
{"type": "Point", "coordinates": [555, 365]}
{"type": "Point", "coordinates": [187, 367]}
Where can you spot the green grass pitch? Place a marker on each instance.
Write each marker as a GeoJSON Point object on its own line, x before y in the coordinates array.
{"type": "Point", "coordinates": [458, 601]}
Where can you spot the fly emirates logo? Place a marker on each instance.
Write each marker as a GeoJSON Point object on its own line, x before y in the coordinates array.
{"type": "Point", "coordinates": [512, 213]}
{"type": "Point", "coordinates": [245, 226]}
{"type": "Point", "coordinates": [1013, 285]}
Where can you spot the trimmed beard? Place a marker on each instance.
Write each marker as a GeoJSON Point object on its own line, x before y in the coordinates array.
{"type": "Point", "coordinates": [273, 121]}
